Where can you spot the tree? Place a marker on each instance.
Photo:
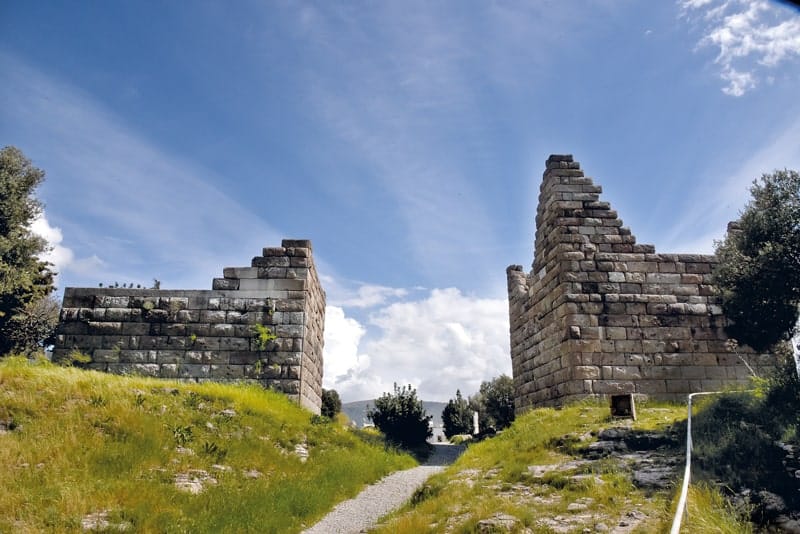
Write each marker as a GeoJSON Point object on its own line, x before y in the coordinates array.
{"type": "Point", "coordinates": [497, 397]}
{"type": "Point", "coordinates": [331, 403]}
{"type": "Point", "coordinates": [457, 416]}
{"type": "Point", "coordinates": [758, 273]}
{"type": "Point", "coordinates": [401, 417]}
{"type": "Point", "coordinates": [24, 278]}
{"type": "Point", "coordinates": [33, 327]}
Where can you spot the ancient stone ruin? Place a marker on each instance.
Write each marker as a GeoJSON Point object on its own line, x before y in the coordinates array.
{"type": "Point", "coordinates": [210, 335]}
{"type": "Point", "coordinates": [600, 314]}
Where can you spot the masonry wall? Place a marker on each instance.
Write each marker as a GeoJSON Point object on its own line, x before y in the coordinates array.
{"type": "Point", "coordinates": [210, 335]}
{"type": "Point", "coordinates": [600, 314]}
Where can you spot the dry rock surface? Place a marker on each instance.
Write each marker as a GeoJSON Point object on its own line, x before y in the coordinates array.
{"type": "Point", "coordinates": [651, 460]}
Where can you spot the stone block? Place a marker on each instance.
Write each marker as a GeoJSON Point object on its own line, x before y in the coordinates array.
{"type": "Point", "coordinates": [581, 372]}
{"type": "Point", "coordinates": [225, 284]}
{"type": "Point", "coordinates": [194, 371]}
{"type": "Point", "coordinates": [212, 316]}
{"type": "Point", "coordinates": [234, 343]}
{"type": "Point", "coordinates": [104, 328]}
{"type": "Point", "coordinates": [227, 371]}
{"type": "Point", "coordinates": [613, 387]}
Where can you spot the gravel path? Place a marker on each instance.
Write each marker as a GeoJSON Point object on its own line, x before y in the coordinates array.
{"type": "Point", "coordinates": [389, 493]}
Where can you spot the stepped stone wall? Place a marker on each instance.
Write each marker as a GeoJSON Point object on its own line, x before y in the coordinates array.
{"type": "Point", "coordinates": [600, 314]}
{"type": "Point", "coordinates": [210, 335]}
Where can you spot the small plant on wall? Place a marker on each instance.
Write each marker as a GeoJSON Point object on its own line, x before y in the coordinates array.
{"type": "Point", "coordinates": [263, 336]}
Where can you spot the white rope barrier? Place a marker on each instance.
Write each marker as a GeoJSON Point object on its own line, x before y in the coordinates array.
{"type": "Point", "coordinates": [679, 513]}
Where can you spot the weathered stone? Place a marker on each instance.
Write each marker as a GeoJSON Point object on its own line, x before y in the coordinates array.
{"type": "Point", "coordinates": [202, 335]}
{"type": "Point", "coordinates": [602, 314]}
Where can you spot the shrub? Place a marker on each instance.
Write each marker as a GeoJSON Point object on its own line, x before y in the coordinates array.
{"type": "Point", "coordinates": [401, 417]}
{"type": "Point", "coordinates": [457, 417]}
{"type": "Point", "coordinates": [758, 273]}
{"type": "Point", "coordinates": [331, 403]}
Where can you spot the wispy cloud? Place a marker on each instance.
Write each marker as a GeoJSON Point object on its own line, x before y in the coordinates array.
{"type": "Point", "coordinates": [699, 223]}
{"type": "Point", "coordinates": [412, 113]}
{"type": "Point", "coordinates": [751, 37]}
{"type": "Point", "coordinates": [137, 211]}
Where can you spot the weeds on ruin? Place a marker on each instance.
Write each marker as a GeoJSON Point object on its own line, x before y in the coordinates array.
{"type": "Point", "coordinates": [263, 336]}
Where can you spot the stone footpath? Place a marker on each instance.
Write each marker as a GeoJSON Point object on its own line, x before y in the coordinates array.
{"type": "Point", "coordinates": [362, 512]}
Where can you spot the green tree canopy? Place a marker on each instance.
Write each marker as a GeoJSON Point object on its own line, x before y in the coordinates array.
{"type": "Point", "coordinates": [497, 397]}
{"type": "Point", "coordinates": [457, 416]}
{"type": "Point", "coordinates": [402, 417]}
{"type": "Point", "coordinates": [331, 403]}
{"type": "Point", "coordinates": [758, 273]}
{"type": "Point", "coordinates": [24, 278]}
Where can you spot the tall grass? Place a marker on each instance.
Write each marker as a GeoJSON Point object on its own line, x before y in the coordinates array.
{"type": "Point", "coordinates": [83, 442]}
{"type": "Point", "coordinates": [708, 512]}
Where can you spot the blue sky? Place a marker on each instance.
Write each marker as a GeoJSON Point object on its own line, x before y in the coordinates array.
{"type": "Point", "coordinates": [405, 139]}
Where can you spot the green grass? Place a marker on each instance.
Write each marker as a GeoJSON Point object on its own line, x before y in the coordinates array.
{"type": "Point", "coordinates": [493, 477]}
{"type": "Point", "coordinates": [708, 512]}
{"type": "Point", "coordinates": [84, 442]}
{"type": "Point", "coordinates": [735, 439]}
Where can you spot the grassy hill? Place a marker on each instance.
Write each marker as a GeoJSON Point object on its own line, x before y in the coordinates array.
{"type": "Point", "coordinates": [84, 449]}
{"type": "Point", "coordinates": [570, 470]}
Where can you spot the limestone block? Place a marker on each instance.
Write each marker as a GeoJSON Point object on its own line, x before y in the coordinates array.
{"type": "Point", "coordinates": [626, 372]}
{"type": "Point", "coordinates": [225, 284]}
{"type": "Point", "coordinates": [651, 387]}
{"type": "Point", "coordinates": [581, 372]}
{"type": "Point", "coordinates": [234, 343]}
{"type": "Point", "coordinates": [76, 327]}
{"type": "Point", "coordinates": [613, 387]}
{"type": "Point", "coordinates": [106, 356]}
{"type": "Point", "coordinates": [109, 301]}
{"type": "Point", "coordinates": [678, 386]}
{"type": "Point", "coordinates": [104, 328]}
{"type": "Point", "coordinates": [226, 371]}
{"type": "Point", "coordinates": [188, 316]}
{"type": "Point", "coordinates": [698, 268]}
{"type": "Point", "coordinates": [244, 357]}
{"type": "Point", "coordinates": [212, 316]}
{"type": "Point", "coordinates": [240, 272]}
{"type": "Point", "coordinates": [117, 314]}
{"type": "Point", "coordinates": [221, 329]}
{"type": "Point", "coordinates": [115, 342]}
{"type": "Point", "coordinates": [186, 370]}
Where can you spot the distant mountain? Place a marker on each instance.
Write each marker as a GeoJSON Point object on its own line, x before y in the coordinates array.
{"type": "Point", "coordinates": [357, 411]}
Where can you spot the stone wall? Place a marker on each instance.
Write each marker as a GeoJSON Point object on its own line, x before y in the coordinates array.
{"type": "Point", "coordinates": [600, 314]}
{"type": "Point", "coordinates": [210, 335]}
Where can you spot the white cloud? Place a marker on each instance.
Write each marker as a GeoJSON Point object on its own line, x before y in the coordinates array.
{"type": "Point", "coordinates": [342, 337]}
{"type": "Point", "coordinates": [56, 253]}
{"type": "Point", "coordinates": [750, 36]}
{"type": "Point", "coordinates": [438, 344]}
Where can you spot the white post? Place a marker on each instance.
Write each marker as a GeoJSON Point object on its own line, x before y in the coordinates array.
{"type": "Point", "coordinates": [475, 429]}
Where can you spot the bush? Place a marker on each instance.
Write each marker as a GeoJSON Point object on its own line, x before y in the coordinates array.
{"type": "Point", "coordinates": [497, 398]}
{"type": "Point", "coordinates": [401, 417]}
{"type": "Point", "coordinates": [331, 403]}
{"type": "Point", "coordinates": [457, 417]}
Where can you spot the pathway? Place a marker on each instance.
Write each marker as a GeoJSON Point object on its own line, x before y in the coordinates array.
{"type": "Point", "coordinates": [362, 512]}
